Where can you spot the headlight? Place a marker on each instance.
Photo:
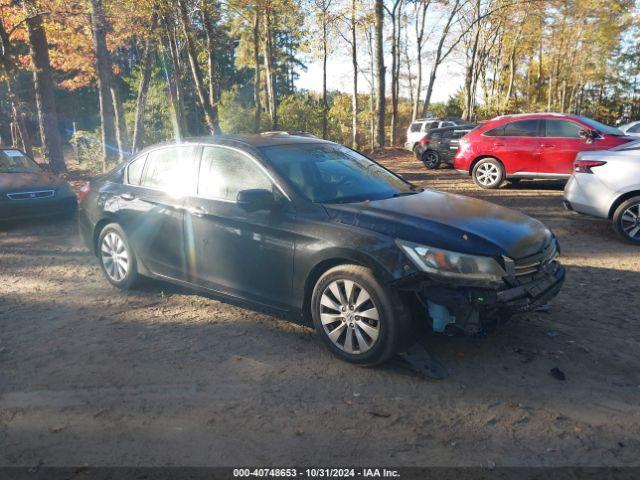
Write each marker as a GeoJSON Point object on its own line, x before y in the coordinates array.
{"type": "Point", "coordinates": [452, 264]}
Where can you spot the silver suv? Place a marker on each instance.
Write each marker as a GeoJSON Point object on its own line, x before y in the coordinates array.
{"type": "Point", "coordinates": [606, 184]}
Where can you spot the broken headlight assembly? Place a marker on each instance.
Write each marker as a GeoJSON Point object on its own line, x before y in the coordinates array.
{"type": "Point", "coordinates": [454, 265]}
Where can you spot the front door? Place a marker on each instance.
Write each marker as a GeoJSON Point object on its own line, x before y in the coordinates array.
{"type": "Point", "coordinates": [560, 145]}
{"type": "Point", "coordinates": [241, 253]}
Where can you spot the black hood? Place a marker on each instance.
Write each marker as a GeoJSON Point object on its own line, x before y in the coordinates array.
{"type": "Point", "coordinates": [25, 182]}
{"type": "Point", "coordinates": [448, 221]}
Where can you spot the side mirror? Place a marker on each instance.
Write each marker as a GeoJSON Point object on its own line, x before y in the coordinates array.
{"type": "Point", "coordinates": [256, 199]}
{"type": "Point", "coordinates": [588, 135]}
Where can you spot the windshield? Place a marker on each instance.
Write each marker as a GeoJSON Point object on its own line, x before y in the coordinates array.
{"type": "Point", "coordinates": [14, 161]}
{"type": "Point", "coordinates": [601, 127]}
{"type": "Point", "coordinates": [329, 173]}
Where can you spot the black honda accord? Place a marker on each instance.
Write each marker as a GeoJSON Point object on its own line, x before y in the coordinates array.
{"type": "Point", "coordinates": [315, 232]}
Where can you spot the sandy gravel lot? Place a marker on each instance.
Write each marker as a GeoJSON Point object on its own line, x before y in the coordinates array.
{"type": "Point", "coordinates": [164, 376]}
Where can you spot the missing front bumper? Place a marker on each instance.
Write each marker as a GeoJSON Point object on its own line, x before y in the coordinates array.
{"type": "Point", "coordinates": [475, 310]}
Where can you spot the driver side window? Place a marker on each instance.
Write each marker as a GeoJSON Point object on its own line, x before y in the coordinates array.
{"type": "Point", "coordinates": [225, 172]}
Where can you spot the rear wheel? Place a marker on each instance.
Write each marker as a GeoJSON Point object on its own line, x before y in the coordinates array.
{"type": "Point", "coordinates": [359, 320]}
{"type": "Point", "coordinates": [626, 220]}
{"type": "Point", "coordinates": [488, 173]}
{"type": "Point", "coordinates": [431, 159]}
{"type": "Point", "coordinates": [117, 260]}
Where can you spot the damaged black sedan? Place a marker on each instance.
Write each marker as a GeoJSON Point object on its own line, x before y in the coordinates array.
{"type": "Point", "coordinates": [317, 233]}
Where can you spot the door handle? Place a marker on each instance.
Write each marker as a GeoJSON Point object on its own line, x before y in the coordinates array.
{"type": "Point", "coordinates": [498, 144]}
{"type": "Point", "coordinates": [127, 196]}
{"type": "Point", "coordinates": [547, 145]}
{"type": "Point", "coordinates": [196, 211]}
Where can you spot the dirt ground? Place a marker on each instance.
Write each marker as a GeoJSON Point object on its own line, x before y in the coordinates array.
{"type": "Point", "coordinates": [164, 376]}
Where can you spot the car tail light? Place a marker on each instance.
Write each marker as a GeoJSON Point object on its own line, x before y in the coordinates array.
{"type": "Point", "coordinates": [84, 191]}
{"type": "Point", "coordinates": [424, 140]}
{"type": "Point", "coordinates": [585, 166]}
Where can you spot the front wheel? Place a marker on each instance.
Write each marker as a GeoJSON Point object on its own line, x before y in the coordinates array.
{"type": "Point", "coordinates": [117, 260]}
{"type": "Point", "coordinates": [626, 220]}
{"type": "Point", "coordinates": [431, 159]}
{"type": "Point", "coordinates": [488, 173]}
{"type": "Point", "coordinates": [359, 320]}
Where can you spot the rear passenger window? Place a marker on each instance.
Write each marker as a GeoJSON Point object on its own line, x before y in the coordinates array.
{"type": "Point", "coordinates": [496, 132]}
{"type": "Point", "coordinates": [522, 128]}
{"type": "Point", "coordinates": [134, 170]}
{"type": "Point", "coordinates": [415, 127]}
{"type": "Point", "coordinates": [172, 169]}
{"type": "Point", "coordinates": [225, 172]}
{"type": "Point", "coordinates": [562, 129]}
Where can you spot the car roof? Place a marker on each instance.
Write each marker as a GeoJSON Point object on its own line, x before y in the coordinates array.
{"type": "Point", "coordinates": [254, 140]}
{"type": "Point", "coordinates": [454, 127]}
{"type": "Point", "coordinates": [534, 116]}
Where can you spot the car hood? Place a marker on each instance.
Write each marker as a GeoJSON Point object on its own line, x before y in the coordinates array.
{"type": "Point", "coordinates": [24, 182]}
{"type": "Point", "coordinates": [448, 221]}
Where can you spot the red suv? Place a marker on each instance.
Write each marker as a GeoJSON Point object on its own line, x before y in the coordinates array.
{"type": "Point", "coordinates": [537, 145]}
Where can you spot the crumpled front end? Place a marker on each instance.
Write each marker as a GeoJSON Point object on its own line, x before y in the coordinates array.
{"type": "Point", "coordinates": [472, 308]}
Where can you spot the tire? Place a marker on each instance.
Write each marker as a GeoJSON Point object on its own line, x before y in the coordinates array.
{"type": "Point", "coordinates": [431, 159]}
{"type": "Point", "coordinates": [626, 220]}
{"type": "Point", "coordinates": [488, 173]}
{"type": "Point", "coordinates": [372, 341]}
{"type": "Point", "coordinates": [122, 270]}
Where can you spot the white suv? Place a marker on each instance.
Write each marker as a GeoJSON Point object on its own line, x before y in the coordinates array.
{"type": "Point", "coordinates": [420, 127]}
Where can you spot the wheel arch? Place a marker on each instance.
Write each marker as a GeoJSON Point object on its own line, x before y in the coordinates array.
{"type": "Point", "coordinates": [99, 226]}
{"type": "Point", "coordinates": [620, 200]}
{"type": "Point", "coordinates": [334, 260]}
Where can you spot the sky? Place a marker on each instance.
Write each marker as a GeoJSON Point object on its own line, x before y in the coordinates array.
{"type": "Point", "coordinates": [339, 77]}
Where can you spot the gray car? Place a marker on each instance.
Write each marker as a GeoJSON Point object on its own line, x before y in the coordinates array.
{"type": "Point", "coordinates": [631, 128]}
{"type": "Point", "coordinates": [606, 184]}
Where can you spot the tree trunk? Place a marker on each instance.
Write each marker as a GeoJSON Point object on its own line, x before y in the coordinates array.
{"type": "Point", "coordinates": [143, 87]}
{"type": "Point", "coordinates": [394, 48]}
{"type": "Point", "coordinates": [21, 139]}
{"type": "Point", "coordinates": [45, 100]}
{"type": "Point", "coordinates": [120, 123]}
{"type": "Point", "coordinates": [440, 56]}
{"type": "Point", "coordinates": [198, 79]}
{"type": "Point", "coordinates": [325, 106]}
{"type": "Point", "coordinates": [209, 20]}
{"type": "Point", "coordinates": [256, 73]}
{"type": "Point", "coordinates": [176, 88]}
{"type": "Point", "coordinates": [354, 63]}
{"type": "Point", "coordinates": [269, 77]}
{"type": "Point", "coordinates": [380, 74]}
{"type": "Point", "coordinates": [104, 73]}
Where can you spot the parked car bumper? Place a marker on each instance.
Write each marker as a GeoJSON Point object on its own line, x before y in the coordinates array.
{"type": "Point", "coordinates": [39, 207]}
{"type": "Point", "coordinates": [586, 194]}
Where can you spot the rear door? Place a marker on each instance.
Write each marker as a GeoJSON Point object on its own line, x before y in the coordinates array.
{"type": "Point", "coordinates": [516, 144]}
{"type": "Point", "coordinates": [151, 209]}
{"type": "Point", "coordinates": [560, 145]}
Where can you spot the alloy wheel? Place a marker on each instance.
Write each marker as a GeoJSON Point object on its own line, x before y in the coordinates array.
{"type": "Point", "coordinates": [349, 316]}
{"type": "Point", "coordinates": [431, 159]}
{"type": "Point", "coordinates": [487, 174]}
{"type": "Point", "coordinates": [115, 256]}
{"type": "Point", "coordinates": [630, 221]}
